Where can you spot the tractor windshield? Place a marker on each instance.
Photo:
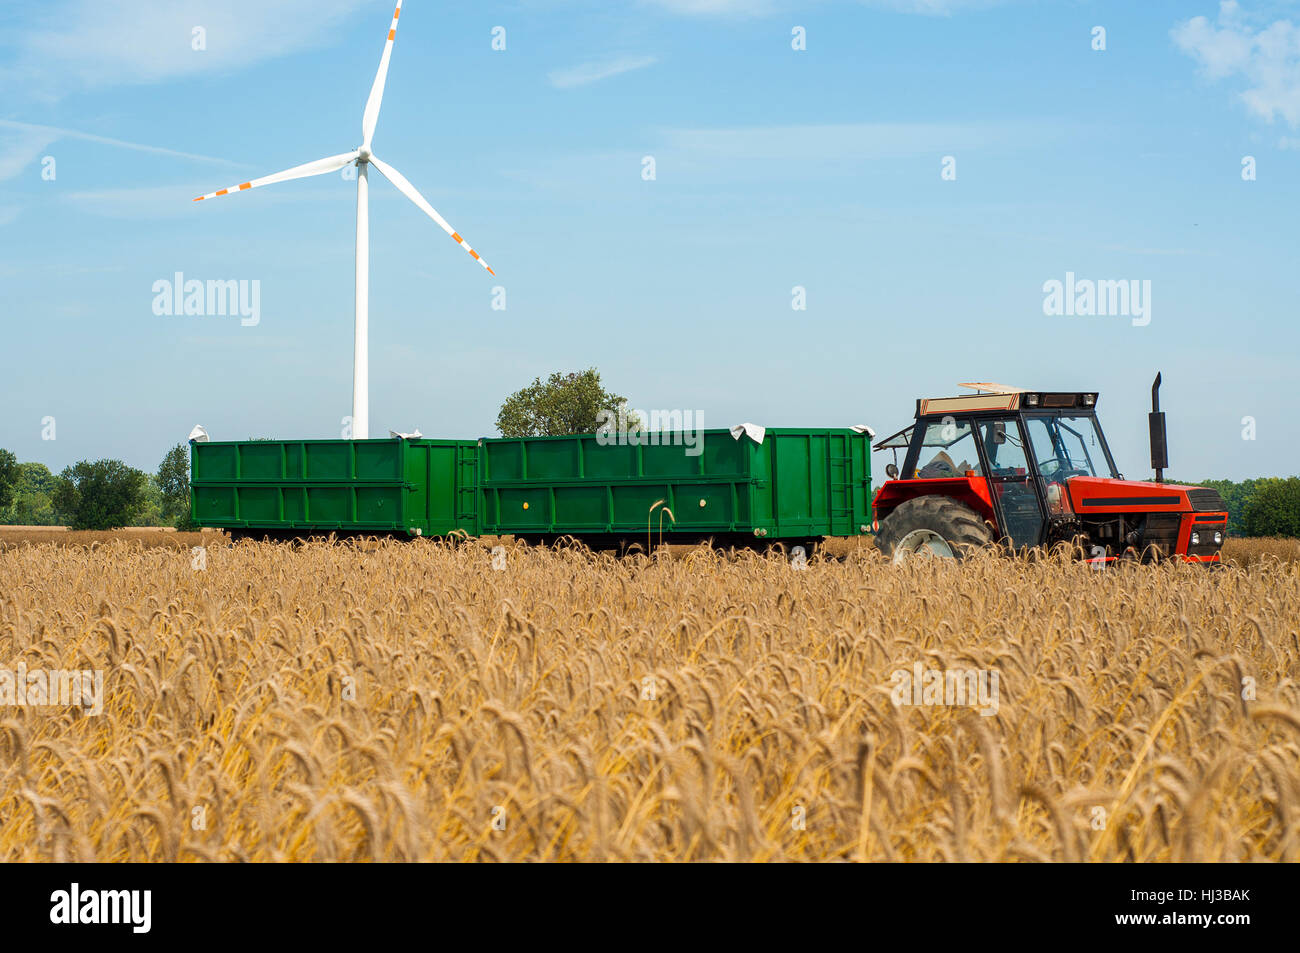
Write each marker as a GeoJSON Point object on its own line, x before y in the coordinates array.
{"type": "Point", "coordinates": [1068, 446]}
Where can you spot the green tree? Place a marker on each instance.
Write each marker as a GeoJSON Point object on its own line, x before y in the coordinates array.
{"type": "Point", "coordinates": [150, 511]}
{"type": "Point", "coordinates": [174, 482]}
{"type": "Point", "coordinates": [8, 477]}
{"type": "Point", "coordinates": [32, 503]}
{"type": "Point", "coordinates": [104, 494]}
{"type": "Point", "coordinates": [564, 404]}
{"type": "Point", "coordinates": [1274, 508]}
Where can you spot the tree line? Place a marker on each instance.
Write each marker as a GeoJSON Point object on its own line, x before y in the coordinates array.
{"type": "Point", "coordinates": [96, 494]}
{"type": "Point", "coordinates": [106, 494]}
{"type": "Point", "coordinates": [1264, 506]}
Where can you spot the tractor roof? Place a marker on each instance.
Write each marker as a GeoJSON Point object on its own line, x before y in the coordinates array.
{"type": "Point", "coordinates": [994, 397]}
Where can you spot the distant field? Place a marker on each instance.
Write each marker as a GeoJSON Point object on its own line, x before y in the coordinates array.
{"type": "Point", "coordinates": [412, 700]}
{"type": "Point", "coordinates": [1245, 552]}
{"type": "Point", "coordinates": [146, 536]}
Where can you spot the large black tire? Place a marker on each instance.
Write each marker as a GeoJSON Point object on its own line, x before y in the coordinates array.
{"type": "Point", "coordinates": [960, 527]}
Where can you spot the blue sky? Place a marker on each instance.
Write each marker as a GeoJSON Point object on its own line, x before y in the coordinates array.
{"type": "Point", "coordinates": [774, 168]}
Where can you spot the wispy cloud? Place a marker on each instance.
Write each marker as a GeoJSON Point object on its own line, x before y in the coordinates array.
{"type": "Point", "coordinates": [177, 200]}
{"type": "Point", "coordinates": [595, 70]}
{"type": "Point", "coordinates": [29, 140]}
{"type": "Point", "coordinates": [90, 44]}
{"type": "Point", "coordinates": [23, 143]}
{"type": "Point", "coordinates": [1267, 58]}
{"type": "Point", "coordinates": [788, 152]}
{"type": "Point", "coordinates": [138, 202]}
{"type": "Point", "coordinates": [875, 140]}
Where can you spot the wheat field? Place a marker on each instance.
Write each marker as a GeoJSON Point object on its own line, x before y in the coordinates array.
{"type": "Point", "coordinates": [392, 701]}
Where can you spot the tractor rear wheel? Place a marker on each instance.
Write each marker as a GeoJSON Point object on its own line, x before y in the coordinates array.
{"type": "Point", "coordinates": [932, 526]}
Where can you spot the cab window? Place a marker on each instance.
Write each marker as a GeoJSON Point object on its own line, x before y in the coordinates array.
{"type": "Point", "coordinates": [947, 450]}
{"type": "Point", "coordinates": [1067, 446]}
{"type": "Point", "coordinates": [1003, 448]}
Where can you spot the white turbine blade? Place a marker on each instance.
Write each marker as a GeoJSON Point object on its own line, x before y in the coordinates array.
{"type": "Point", "coordinates": [319, 167]}
{"type": "Point", "coordinates": [407, 189]}
{"type": "Point", "coordinates": [371, 116]}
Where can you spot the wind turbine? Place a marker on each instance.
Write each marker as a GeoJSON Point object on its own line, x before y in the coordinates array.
{"type": "Point", "coordinates": [363, 158]}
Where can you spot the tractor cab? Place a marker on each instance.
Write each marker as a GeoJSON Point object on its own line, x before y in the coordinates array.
{"type": "Point", "coordinates": [1031, 468]}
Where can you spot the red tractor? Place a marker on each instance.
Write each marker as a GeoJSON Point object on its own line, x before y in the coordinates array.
{"type": "Point", "coordinates": [1030, 468]}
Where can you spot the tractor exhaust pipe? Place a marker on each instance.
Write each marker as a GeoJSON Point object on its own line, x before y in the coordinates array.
{"type": "Point", "coordinates": [1159, 441]}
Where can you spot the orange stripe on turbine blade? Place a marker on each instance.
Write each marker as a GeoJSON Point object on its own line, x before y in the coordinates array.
{"type": "Point", "coordinates": [200, 198]}
{"type": "Point", "coordinates": [490, 271]}
{"type": "Point", "coordinates": [397, 13]}
{"type": "Point", "coordinates": [457, 237]}
{"type": "Point", "coordinates": [391, 34]}
{"type": "Point", "coordinates": [222, 192]}
{"type": "Point", "coordinates": [473, 253]}
{"type": "Point", "coordinates": [246, 185]}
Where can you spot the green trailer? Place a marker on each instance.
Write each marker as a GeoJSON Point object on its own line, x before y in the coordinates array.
{"type": "Point", "coordinates": [292, 487]}
{"type": "Point", "coordinates": [792, 485]}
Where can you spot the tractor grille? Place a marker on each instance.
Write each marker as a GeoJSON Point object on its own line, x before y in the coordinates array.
{"type": "Point", "coordinates": [1161, 530]}
{"type": "Point", "coordinates": [1206, 500]}
{"type": "Point", "coordinates": [1207, 546]}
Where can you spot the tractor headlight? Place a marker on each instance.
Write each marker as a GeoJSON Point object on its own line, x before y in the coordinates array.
{"type": "Point", "coordinates": [1196, 539]}
{"type": "Point", "coordinates": [1058, 504]}
{"type": "Point", "coordinates": [1031, 400]}
{"type": "Point", "coordinates": [1218, 538]}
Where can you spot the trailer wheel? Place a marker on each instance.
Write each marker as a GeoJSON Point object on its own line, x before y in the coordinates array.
{"type": "Point", "coordinates": [932, 526]}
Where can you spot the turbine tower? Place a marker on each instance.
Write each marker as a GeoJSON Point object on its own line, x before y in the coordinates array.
{"type": "Point", "coordinates": [363, 158]}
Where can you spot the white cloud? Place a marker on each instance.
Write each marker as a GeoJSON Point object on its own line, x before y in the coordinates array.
{"type": "Point", "coordinates": [1267, 58]}
{"type": "Point", "coordinates": [177, 200]}
{"type": "Point", "coordinates": [137, 202]}
{"type": "Point", "coordinates": [595, 70]}
{"type": "Point", "coordinates": [89, 43]}
{"type": "Point", "coordinates": [26, 142]}
{"type": "Point", "coordinates": [23, 143]}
